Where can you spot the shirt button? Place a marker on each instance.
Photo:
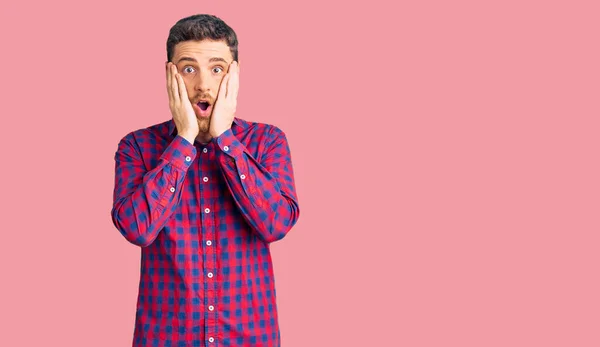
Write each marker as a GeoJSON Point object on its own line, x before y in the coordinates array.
{"type": "Point", "coordinates": [211, 307]}
{"type": "Point", "coordinates": [209, 242]}
{"type": "Point", "coordinates": [210, 275]}
{"type": "Point", "coordinates": [211, 339]}
{"type": "Point", "coordinates": [172, 189]}
{"type": "Point", "coordinates": [207, 210]}
{"type": "Point", "coordinates": [205, 150]}
{"type": "Point", "coordinates": [205, 179]}
{"type": "Point", "coordinates": [226, 148]}
{"type": "Point", "coordinates": [243, 176]}
{"type": "Point", "coordinates": [188, 158]}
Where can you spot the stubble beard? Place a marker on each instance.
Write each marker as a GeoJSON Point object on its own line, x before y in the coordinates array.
{"type": "Point", "coordinates": [204, 124]}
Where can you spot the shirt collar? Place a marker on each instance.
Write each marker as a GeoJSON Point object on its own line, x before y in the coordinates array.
{"type": "Point", "coordinates": [172, 128]}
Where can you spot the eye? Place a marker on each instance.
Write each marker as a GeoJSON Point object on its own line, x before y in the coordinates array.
{"type": "Point", "coordinates": [188, 69]}
{"type": "Point", "coordinates": [217, 69]}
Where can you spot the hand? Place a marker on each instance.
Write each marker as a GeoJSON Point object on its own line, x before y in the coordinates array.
{"type": "Point", "coordinates": [180, 105]}
{"type": "Point", "coordinates": [225, 105]}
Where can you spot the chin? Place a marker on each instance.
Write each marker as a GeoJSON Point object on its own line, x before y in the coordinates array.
{"type": "Point", "coordinates": [204, 124]}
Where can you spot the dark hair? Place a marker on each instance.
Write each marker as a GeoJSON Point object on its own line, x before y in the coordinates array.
{"type": "Point", "coordinates": [201, 27]}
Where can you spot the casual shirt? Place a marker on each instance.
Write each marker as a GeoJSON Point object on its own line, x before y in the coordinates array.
{"type": "Point", "coordinates": [204, 216]}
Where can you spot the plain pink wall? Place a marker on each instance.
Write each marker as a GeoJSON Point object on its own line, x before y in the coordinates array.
{"type": "Point", "coordinates": [445, 153]}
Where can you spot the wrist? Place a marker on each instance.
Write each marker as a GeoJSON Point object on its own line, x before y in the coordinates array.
{"type": "Point", "coordinates": [219, 132]}
{"type": "Point", "coordinates": [188, 136]}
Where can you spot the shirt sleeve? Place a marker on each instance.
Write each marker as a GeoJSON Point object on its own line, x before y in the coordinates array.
{"type": "Point", "coordinates": [143, 200]}
{"type": "Point", "coordinates": [264, 191]}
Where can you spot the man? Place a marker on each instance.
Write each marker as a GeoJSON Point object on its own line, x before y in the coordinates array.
{"type": "Point", "coordinates": [203, 195]}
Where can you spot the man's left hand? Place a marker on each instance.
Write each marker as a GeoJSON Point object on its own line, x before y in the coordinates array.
{"type": "Point", "coordinates": [225, 105]}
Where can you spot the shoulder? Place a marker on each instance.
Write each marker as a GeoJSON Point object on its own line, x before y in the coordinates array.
{"type": "Point", "coordinates": [269, 131]}
{"type": "Point", "coordinates": [149, 133]}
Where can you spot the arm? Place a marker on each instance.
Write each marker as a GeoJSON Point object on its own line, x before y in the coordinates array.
{"type": "Point", "coordinates": [143, 200]}
{"type": "Point", "coordinates": [263, 191]}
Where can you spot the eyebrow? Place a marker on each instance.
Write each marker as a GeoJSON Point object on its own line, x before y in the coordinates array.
{"type": "Point", "coordinates": [211, 60]}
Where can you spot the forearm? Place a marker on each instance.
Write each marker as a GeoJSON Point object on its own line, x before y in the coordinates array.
{"type": "Point", "coordinates": [143, 201]}
{"type": "Point", "coordinates": [263, 192]}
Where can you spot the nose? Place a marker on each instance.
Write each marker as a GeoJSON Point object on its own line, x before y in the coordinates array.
{"type": "Point", "coordinates": [202, 82]}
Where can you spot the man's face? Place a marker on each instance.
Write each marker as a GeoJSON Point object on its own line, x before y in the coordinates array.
{"type": "Point", "coordinates": [202, 64]}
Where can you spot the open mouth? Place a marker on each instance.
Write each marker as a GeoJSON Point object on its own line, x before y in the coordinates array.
{"type": "Point", "coordinates": [203, 105]}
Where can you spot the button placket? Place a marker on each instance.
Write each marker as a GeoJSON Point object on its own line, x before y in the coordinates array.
{"type": "Point", "coordinates": [208, 168]}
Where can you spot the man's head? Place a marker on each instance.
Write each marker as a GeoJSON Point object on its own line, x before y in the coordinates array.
{"type": "Point", "coordinates": [202, 47]}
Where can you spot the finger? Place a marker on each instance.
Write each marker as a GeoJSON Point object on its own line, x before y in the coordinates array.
{"type": "Point", "coordinates": [174, 88]}
{"type": "Point", "coordinates": [168, 71]}
{"type": "Point", "coordinates": [235, 81]}
{"type": "Point", "coordinates": [223, 88]}
{"type": "Point", "coordinates": [232, 82]}
{"type": "Point", "coordinates": [230, 72]}
{"type": "Point", "coordinates": [181, 85]}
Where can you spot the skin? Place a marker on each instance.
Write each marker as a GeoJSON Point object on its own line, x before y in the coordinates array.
{"type": "Point", "coordinates": [202, 70]}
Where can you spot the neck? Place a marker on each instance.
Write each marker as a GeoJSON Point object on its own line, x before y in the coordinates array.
{"type": "Point", "coordinates": [203, 138]}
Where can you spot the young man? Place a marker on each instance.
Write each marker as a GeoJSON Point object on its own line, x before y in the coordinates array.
{"type": "Point", "coordinates": [203, 195]}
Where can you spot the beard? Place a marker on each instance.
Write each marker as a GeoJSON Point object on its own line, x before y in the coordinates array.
{"type": "Point", "coordinates": [204, 123]}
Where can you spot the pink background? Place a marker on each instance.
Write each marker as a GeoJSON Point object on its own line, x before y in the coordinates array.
{"type": "Point", "coordinates": [445, 153]}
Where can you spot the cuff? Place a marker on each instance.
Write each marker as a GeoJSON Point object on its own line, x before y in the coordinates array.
{"type": "Point", "coordinates": [180, 153]}
{"type": "Point", "coordinates": [229, 144]}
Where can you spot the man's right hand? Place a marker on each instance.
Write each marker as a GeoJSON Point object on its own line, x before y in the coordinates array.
{"type": "Point", "coordinates": [180, 105]}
